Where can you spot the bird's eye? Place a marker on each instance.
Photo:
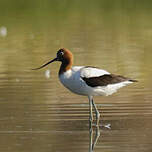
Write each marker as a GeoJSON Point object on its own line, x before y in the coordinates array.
{"type": "Point", "coordinates": [62, 53]}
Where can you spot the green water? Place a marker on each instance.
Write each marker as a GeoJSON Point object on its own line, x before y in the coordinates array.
{"type": "Point", "coordinates": [36, 112]}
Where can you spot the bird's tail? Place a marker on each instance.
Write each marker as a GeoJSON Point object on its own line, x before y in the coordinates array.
{"type": "Point", "coordinates": [131, 80]}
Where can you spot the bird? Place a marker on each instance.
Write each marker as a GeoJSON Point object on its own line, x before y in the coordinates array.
{"type": "Point", "coordinates": [88, 81]}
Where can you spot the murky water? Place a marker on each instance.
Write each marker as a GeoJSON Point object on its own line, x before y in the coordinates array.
{"type": "Point", "coordinates": [37, 113]}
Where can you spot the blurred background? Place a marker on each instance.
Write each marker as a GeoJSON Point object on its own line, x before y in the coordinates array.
{"type": "Point", "coordinates": [36, 112]}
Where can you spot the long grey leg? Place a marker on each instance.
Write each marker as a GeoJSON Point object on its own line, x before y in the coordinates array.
{"type": "Point", "coordinates": [90, 108]}
{"type": "Point", "coordinates": [97, 113]}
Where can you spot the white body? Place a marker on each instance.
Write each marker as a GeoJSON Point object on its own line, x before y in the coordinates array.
{"type": "Point", "coordinates": [72, 80]}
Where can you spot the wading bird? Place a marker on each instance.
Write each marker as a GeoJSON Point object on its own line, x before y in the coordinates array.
{"type": "Point", "coordinates": [86, 80]}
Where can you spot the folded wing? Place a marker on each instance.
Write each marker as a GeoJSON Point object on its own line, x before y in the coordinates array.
{"type": "Point", "coordinates": [94, 77]}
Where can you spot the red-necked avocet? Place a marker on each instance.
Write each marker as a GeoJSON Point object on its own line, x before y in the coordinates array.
{"type": "Point", "coordinates": [86, 80]}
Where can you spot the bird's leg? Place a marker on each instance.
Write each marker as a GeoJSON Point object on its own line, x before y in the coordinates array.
{"type": "Point", "coordinates": [90, 109]}
{"type": "Point", "coordinates": [97, 113]}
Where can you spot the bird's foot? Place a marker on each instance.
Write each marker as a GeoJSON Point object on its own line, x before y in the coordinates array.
{"type": "Point", "coordinates": [108, 126]}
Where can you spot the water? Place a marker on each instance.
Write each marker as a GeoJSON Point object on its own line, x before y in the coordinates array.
{"type": "Point", "coordinates": [37, 113]}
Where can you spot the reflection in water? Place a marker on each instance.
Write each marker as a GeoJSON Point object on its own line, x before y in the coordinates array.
{"type": "Point", "coordinates": [64, 128]}
{"type": "Point", "coordinates": [93, 138]}
{"type": "Point", "coordinates": [94, 134]}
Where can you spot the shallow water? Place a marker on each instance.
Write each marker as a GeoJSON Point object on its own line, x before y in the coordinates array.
{"type": "Point", "coordinates": [37, 113]}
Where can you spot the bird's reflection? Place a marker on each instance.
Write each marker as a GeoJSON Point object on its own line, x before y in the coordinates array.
{"type": "Point", "coordinates": [94, 134]}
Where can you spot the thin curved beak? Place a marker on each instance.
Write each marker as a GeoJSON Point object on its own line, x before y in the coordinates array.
{"type": "Point", "coordinates": [56, 59]}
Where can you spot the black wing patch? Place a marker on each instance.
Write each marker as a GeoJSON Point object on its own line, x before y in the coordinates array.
{"type": "Point", "coordinates": [105, 80]}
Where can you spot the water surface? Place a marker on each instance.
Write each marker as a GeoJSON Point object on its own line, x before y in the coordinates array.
{"type": "Point", "coordinates": [36, 112]}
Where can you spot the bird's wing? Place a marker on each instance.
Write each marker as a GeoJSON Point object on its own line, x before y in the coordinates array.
{"type": "Point", "coordinates": [77, 68]}
{"type": "Point", "coordinates": [97, 77]}
{"type": "Point", "coordinates": [89, 72]}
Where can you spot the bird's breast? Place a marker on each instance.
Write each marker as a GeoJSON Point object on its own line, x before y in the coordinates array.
{"type": "Point", "coordinates": [73, 82]}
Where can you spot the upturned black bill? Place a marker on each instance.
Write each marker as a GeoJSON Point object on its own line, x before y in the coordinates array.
{"type": "Point", "coordinates": [45, 64]}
